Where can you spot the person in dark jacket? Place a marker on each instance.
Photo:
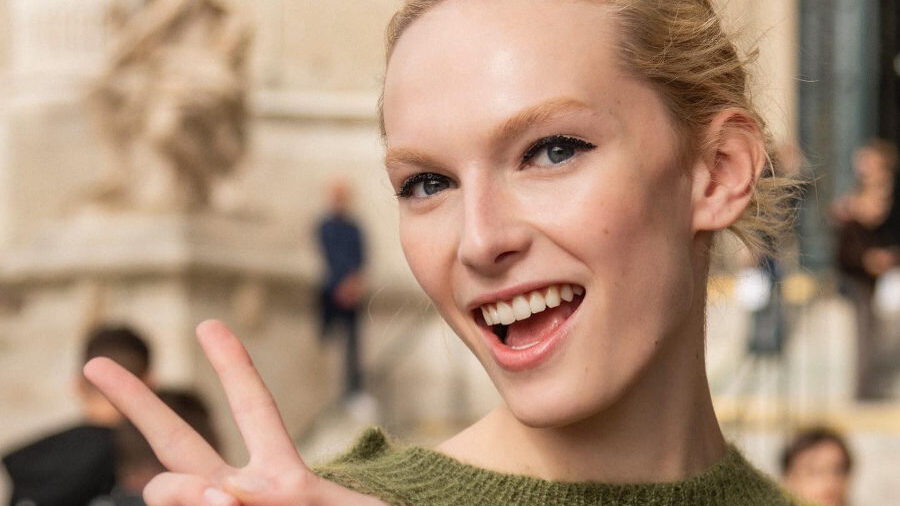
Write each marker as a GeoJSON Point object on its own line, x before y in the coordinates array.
{"type": "Point", "coordinates": [76, 464]}
{"type": "Point", "coordinates": [343, 250]}
{"type": "Point", "coordinates": [868, 246]}
{"type": "Point", "coordinates": [136, 464]}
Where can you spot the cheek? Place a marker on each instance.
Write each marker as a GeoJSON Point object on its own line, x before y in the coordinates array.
{"type": "Point", "coordinates": [428, 252]}
{"type": "Point", "coordinates": [633, 234]}
{"type": "Point", "coordinates": [624, 226]}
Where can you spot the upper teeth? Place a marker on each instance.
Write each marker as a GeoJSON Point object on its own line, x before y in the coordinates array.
{"type": "Point", "coordinates": [524, 305]}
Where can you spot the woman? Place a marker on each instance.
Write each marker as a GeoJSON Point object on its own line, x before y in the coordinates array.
{"type": "Point", "coordinates": [561, 168]}
{"type": "Point", "coordinates": [868, 247]}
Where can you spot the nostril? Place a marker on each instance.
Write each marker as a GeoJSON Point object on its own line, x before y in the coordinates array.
{"type": "Point", "coordinates": [489, 243]}
{"type": "Point", "coordinates": [504, 256]}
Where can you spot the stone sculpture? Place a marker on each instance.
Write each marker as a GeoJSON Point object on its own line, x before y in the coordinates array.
{"type": "Point", "coordinates": [171, 102]}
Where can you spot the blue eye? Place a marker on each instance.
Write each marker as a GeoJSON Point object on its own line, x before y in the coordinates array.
{"type": "Point", "coordinates": [555, 150]}
{"type": "Point", "coordinates": [423, 185]}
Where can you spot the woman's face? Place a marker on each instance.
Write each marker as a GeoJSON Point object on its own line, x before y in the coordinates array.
{"type": "Point", "coordinates": [529, 165]}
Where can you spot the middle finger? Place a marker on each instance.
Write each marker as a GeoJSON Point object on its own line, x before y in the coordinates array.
{"type": "Point", "coordinates": [252, 405]}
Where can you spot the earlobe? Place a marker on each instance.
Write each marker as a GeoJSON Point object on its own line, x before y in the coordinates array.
{"type": "Point", "coordinates": [725, 173]}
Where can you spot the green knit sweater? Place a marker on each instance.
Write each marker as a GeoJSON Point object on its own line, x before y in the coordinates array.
{"type": "Point", "coordinates": [406, 476]}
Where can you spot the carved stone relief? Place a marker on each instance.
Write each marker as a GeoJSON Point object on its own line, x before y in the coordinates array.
{"type": "Point", "coordinates": [171, 102]}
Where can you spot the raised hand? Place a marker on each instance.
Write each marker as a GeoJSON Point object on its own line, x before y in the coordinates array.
{"type": "Point", "coordinates": [275, 474]}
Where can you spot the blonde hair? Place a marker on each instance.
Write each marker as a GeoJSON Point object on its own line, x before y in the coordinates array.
{"type": "Point", "coordinates": [682, 50]}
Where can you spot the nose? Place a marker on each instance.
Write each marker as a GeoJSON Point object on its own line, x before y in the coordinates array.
{"type": "Point", "coordinates": [495, 232]}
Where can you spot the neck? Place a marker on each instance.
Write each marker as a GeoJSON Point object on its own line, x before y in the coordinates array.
{"type": "Point", "coordinates": [663, 430]}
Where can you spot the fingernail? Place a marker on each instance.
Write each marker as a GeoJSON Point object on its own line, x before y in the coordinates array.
{"type": "Point", "coordinates": [248, 484]}
{"type": "Point", "coordinates": [217, 497]}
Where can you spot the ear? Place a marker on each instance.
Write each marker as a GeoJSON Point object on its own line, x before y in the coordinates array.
{"type": "Point", "coordinates": [725, 173]}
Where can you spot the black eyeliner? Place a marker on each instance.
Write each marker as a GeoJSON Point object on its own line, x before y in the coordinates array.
{"type": "Point", "coordinates": [574, 142]}
{"type": "Point", "coordinates": [406, 187]}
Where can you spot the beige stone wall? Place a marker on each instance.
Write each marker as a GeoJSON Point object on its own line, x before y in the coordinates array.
{"type": "Point", "coordinates": [4, 36]}
{"type": "Point", "coordinates": [313, 118]}
{"type": "Point", "coordinates": [334, 45]}
{"type": "Point", "coordinates": [316, 67]}
{"type": "Point", "coordinates": [4, 63]}
{"type": "Point", "coordinates": [772, 28]}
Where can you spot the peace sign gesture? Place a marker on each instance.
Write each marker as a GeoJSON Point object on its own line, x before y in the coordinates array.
{"type": "Point", "coordinates": [275, 474]}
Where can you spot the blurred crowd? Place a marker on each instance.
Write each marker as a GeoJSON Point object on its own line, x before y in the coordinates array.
{"type": "Point", "coordinates": [102, 459]}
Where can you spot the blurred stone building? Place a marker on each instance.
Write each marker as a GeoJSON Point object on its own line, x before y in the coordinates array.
{"type": "Point", "coordinates": [249, 259]}
{"type": "Point", "coordinates": [313, 78]}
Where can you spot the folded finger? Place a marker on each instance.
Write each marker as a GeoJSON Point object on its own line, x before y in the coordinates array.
{"type": "Point", "coordinates": [173, 489]}
{"type": "Point", "coordinates": [175, 443]}
{"type": "Point", "coordinates": [254, 409]}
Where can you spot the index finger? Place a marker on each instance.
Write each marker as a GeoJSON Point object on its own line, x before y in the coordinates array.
{"type": "Point", "coordinates": [253, 407]}
{"type": "Point", "coordinates": [174, 442]}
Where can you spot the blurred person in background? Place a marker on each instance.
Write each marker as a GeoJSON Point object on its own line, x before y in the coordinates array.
{"type": "Point", "coordinates": [70, 467]}
{"type": "Point", "coordinates": [136, 464]}
{"type": "Point", "coordinates": [762, 281]}
{"type": "Point", "coordinates": [816, 466]}
{"type": "Point", "coordinates": [342, 245]}
{"type": "Point", "coordinates": [868, 245]}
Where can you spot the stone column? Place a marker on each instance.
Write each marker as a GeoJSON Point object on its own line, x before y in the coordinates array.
{"type": "Point", "coordinates": [770, 28]}
{"type": "Point", "coordinates": [838, 90]}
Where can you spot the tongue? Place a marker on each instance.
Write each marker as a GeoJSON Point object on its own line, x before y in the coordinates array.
{"type": "Point", "coordinates": [531, 330]}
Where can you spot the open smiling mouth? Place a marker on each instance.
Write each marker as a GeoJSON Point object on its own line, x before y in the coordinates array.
{"type": "Point", "coordinates": [527, 319]}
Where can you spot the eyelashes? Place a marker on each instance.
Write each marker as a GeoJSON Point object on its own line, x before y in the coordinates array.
{"type": "Point", "coordinates": [427, 183]}
{"type": "Point", "coordinates": [546, 152]}
{"type": "Point", "coordinates": [557, 148]}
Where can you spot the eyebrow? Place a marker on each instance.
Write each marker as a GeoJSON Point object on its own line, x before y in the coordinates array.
{"type": "Point", "coordinates": [404, 156]}
{"type": "Point", "coordinates": [510, 128]}
{"type": "Point", "coordinates": [539, 113]}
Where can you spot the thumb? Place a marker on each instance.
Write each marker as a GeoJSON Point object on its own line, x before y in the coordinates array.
{"type": "Point", "coordinates": [293, 488]}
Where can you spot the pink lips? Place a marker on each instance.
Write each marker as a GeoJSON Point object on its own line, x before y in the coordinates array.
{"type": "Point", "coordinates": [543, 340]}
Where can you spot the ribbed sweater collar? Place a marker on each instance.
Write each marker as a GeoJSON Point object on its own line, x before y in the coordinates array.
{"type": "Point", "coordinates": [415, 475]}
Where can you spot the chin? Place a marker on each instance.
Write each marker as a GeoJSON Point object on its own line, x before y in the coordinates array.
{"type": "Point", "coordinates": [551, 416]}
{"type": "Point", "coordinates": [551, 408]}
